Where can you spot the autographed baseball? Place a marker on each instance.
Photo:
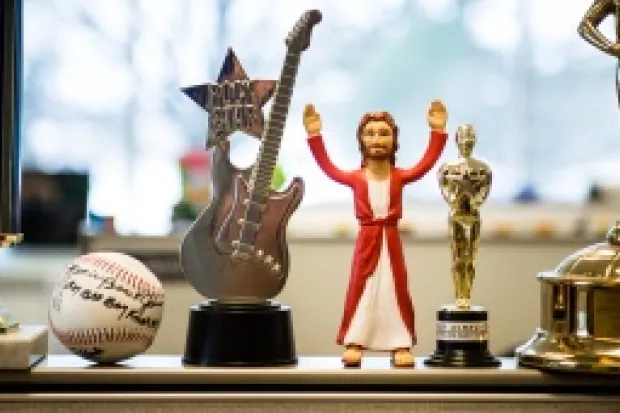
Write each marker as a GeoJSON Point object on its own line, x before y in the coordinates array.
{"type": "Point", "coordinates": [106, 307]}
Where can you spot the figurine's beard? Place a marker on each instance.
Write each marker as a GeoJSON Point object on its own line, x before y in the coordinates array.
{"type": "Point", "coordinates": [382, 155]}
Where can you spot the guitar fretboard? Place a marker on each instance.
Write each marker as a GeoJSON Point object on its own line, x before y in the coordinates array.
{"type": "Point", "coordinates": [260, 182]}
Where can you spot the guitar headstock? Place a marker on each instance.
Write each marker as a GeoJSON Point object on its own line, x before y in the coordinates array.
{"type": "Point", "coordinates": [299, 36]}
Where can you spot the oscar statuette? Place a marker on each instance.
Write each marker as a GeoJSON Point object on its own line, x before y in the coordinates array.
{"type": "Point", "coordinates": [462, 328]}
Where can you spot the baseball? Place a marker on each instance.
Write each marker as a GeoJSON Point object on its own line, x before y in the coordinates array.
{"type": "Point", "coordinates": [106, 307]}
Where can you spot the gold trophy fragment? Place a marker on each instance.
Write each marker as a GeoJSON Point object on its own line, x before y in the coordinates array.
{"type": "Point", "coordinates": [462, 330]}
{"type": "Point", "coordinates": [8, 324]}
{"type": "Point", "coordinates": [589, 30]}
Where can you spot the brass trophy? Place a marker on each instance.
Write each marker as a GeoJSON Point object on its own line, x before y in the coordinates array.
{"type": "Point", "coordinates": [580, 300]}
{"type": "Point", "coordinates": [462, 329]}
{"type": "Point", "coordinates": [580, 312]}
{"type": "Point", "coordinates": [20, 346]}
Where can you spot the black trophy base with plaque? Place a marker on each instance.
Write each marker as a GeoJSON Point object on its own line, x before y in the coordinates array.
{"type": "Point", "coordinates": [226, 334]}
{"type": "Point", "coordinates": [462, 339]}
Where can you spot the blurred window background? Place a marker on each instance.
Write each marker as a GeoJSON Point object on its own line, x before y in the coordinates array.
{"type": "Point", "coordinates": [102, 79]}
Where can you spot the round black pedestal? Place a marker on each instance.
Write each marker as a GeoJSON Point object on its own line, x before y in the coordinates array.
{"type": "Point", "coordinates": [462, 339]}
{"type": "Point", "coordinates": [240, 335]}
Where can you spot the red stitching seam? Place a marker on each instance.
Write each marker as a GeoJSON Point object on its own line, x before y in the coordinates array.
{"type": "Point", "coordinates": [122, 274]}
{"type": "Point", "coordinates": [93, 336]}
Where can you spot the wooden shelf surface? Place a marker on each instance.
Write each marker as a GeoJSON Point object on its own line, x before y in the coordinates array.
{"type": "Point", "coordinates": [309, 371]}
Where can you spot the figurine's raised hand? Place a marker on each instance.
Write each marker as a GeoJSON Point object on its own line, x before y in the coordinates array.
{"type": "Point", "coordinates": [437, 116]}
{"type": "Point", "coordinates": [312, 120]}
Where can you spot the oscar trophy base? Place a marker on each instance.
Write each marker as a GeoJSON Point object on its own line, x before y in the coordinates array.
{"type": "Point", "coordinates": [240, 335]}
{"type": "Point", "coordinates": [462, 339]}
{"type": "Point", "coordinates": [23, 347]}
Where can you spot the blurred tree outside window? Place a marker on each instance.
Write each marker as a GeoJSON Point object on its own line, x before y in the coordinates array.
{"type": "Point", "coordinates": [102, 94]}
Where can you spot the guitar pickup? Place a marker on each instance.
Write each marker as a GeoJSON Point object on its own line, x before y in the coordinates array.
{"type": "Point", "coordinates": [254, 225]}
{"type": "Point", "coordinates": [261, 206]}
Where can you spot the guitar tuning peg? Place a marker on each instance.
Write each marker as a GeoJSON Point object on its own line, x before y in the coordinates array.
{"type": "Point", "coordinates": [259, 253]}
{"type": "Point", "coordinates": [276, 268]}
{"type": "Point", "coordinates": [268, 259]}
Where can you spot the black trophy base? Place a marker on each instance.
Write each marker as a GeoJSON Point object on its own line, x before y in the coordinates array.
{"type": "Point", "coordinates": [240, 335]}
{"type": "Point", "coordinates": [462, 339]}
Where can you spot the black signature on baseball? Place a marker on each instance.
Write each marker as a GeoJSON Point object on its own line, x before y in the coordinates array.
{"type": "Point", "coordinates": [91, 353]}
{"type": "Point", "coordinates": [137, 314]}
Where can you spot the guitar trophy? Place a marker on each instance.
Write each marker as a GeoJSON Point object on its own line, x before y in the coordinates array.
{"type": "Point", "coordinates": [589, 31]}
{"type": "Point", "coordinates": [462, 330]}
{"type": "Point", "coordinates": [236, 252]}
{"type": "Point", "coordinates": [21, 346]}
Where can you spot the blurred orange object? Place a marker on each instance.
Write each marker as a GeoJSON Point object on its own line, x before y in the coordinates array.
{"type": "Point", "coordinates": [195, 168]}
{"type": "Point", "coordinates": [545, 228]}
{"type": "Point", "coordinates": [503, 229]}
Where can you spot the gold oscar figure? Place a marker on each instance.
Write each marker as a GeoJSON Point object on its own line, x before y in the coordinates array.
{"type": "Point", "coordinates": [465, 185]}
{"type": "Point", "coordinates": [462, 329]}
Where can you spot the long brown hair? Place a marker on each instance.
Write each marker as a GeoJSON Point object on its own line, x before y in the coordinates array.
{"type": "Point", "coordinates": [376, 117]}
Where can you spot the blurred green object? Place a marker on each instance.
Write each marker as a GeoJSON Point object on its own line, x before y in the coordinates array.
{"type": "Point", "coordinates": [7, 322]}
{"type": "Point", "coordinates": [278, 178]}
{"type": "Point", "coordinates": [184, 211]}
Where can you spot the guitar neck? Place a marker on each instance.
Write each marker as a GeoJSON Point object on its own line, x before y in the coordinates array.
{"type": "Point", "coordinates": [270, 144]}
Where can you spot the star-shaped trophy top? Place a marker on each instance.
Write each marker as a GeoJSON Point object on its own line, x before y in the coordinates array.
{"type": "Point", "coordinates": [234, 102]}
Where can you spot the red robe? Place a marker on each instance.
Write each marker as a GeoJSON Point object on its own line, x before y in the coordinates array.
{"type": "Point", "coordinates": [370, 236]}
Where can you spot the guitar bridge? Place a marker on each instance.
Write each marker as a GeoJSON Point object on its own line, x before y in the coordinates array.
{"type": "Point", "coordinates": [240, 254]}
{"type": "Point", "coordinates": [254, 225]}
{"type": "Point", "coordinates": [242, 250]}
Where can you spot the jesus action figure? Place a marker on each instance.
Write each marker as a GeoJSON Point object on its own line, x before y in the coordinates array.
{"type": "Point", "coordinates": [378, 311]}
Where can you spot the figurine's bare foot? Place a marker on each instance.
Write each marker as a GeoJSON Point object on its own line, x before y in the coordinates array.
{"type": "Point", "coordinates": [352, 356]}
{"type": "Point", "coordinates": [402, 357]}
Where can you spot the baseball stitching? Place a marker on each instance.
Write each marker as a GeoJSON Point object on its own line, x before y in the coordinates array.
{"type": "Point", "coordinates": [93, 336]}
{"type": "Point", "coordinates": [122, 274]}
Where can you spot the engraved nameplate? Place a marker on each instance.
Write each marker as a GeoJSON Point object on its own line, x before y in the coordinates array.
{"type": "Point", "coordinates": [606, 313]}
{"type": "Point", "coordinates": [470, 331]}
